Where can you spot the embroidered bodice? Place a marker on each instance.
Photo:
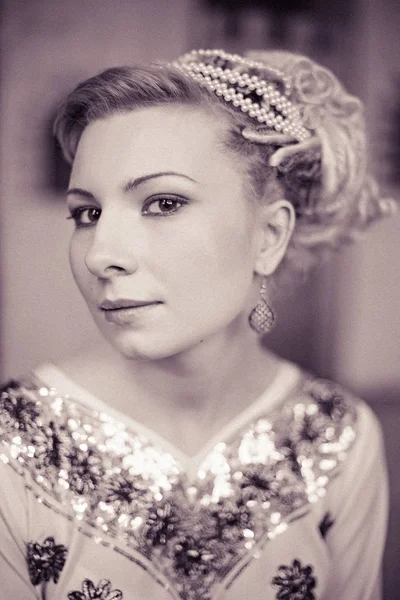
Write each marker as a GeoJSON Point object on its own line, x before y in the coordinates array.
{"type": "Point", "coordinates": [123, 490]}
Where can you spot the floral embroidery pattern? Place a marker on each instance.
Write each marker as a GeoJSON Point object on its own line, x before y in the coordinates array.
{"type": "Point", "coordinates": [86, 469]}
{"type": "Point", "coordinates": [325, 525]}
{"type": "Point", "coordinates": [161, 523]}
{"type": "Point", "coordinates": [45, 561]}
{"type": "Point", "coordinates": [258, 484]}
{"type": "Point", "coordinates": [295, 582]}
{"type": "Point", "coordinates": [17, 409]}
{"type": "Point", "coordinates": [50, 446]}
{"type": "Point", "coordinates": [125, 492]}
{"type": "Point", "coordinates": [90, 591]}
{"type": "Point", "coordinates": [124, 488]}
{"type": "Point", "coordinates": [232, 519]}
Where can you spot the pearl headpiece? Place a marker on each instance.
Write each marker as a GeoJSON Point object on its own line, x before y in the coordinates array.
{"type": "Point", "coordinates": [230, 77]}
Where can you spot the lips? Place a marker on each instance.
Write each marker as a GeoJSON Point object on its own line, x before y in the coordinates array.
{"type": "Point", "coordinates": [110, 305]}
{"type": "Point", "coordinates": [127, 312]}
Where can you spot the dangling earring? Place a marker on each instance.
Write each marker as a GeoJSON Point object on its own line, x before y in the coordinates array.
{"type": "Point", "coordinates": [262, 318]}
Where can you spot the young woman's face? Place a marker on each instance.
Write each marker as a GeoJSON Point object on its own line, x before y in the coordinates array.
{"type": "Point", "coordinates": [161, 219]}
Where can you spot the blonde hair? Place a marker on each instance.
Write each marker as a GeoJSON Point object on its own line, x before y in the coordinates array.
{"type": "Point", "coordinates": [336, 196]}
{"type": "Point", "coordinates": [325, 178]}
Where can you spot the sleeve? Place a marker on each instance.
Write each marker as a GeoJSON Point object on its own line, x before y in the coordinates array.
{"type": "Point", "coordinates": [14, 575]}
{"type": "Point", "coordinates": [356, 539]}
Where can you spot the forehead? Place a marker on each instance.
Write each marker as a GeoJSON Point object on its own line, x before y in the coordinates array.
{"type": "Point", "coordinates": [161, 138]}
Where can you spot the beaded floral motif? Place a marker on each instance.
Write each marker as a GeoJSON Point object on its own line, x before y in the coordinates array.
{"type": "Point", "coordinates": [124, 490]}
{"type": "Point", "coordinates": [101, 591]}
{"type": "Point", "coordinates": [18, 408]}
{"type": "Point", "coordinates": [295, 582]}
{"type": "Point", "coordinates": [45, 561]}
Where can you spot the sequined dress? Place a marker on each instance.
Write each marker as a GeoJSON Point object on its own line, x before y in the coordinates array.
{"type": "Point", "coordinates": [289, 502]}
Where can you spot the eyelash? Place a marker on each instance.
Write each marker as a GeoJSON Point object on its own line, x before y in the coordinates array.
{"type": "Point", "coordinates": [153, 200]}
{"type": "Point", "coordinates": [76, 213]}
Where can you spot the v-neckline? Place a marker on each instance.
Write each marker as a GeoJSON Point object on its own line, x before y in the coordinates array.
{"type": "Point", "coordinates": [285, 380]}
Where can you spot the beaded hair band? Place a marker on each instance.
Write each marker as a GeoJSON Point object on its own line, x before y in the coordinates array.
{"type": "Point", "coordinates": [229, 77]}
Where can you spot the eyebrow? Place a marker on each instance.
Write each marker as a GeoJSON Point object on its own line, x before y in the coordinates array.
{"type": "Point", "coordinates": [132, 184]}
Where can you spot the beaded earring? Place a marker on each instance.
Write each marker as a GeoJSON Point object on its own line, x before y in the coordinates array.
{"type": "Point", "coordinates": [262, 317]}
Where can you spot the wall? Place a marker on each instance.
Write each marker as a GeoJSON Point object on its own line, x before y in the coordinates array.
{"type": "Point", "coordinates": [366, 280]}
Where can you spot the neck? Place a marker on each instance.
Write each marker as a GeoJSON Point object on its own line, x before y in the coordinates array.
{"type": "Point", "coordinates": [198, 378]}
{"type": "Point", "coordinates": [186, 398]}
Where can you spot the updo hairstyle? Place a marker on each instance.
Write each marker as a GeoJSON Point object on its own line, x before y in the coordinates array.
{"type": "Point", "coordinates": [324, 177]}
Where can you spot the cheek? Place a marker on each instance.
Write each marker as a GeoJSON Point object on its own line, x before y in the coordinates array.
{"type": "Point", "coordinates": [212, 261]}
{"type": "Point", "coordinates": [77, 263]}
{"type": "Point", "coordinates": [226, 245]}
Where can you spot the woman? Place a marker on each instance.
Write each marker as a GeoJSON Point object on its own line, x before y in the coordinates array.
{"type": "Point", "coordinates": [181, 459]}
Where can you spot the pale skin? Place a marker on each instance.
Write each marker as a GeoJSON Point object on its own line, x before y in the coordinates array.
{"type": "Point", "coordinates": [190, 363]}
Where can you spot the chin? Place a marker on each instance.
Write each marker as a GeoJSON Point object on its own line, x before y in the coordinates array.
{"type": "Point", "coordinates": [157, 342]}
{"type": "Point", "coordinates": [148, 347]}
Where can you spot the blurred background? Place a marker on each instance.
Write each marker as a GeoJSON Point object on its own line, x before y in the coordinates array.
{"type": "Point", "coordinates": [344, 323]}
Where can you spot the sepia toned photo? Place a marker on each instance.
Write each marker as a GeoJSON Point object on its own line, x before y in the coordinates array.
{"type": "Point", "coordinates": [199, 300]}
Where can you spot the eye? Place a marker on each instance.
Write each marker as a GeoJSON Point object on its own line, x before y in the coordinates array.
{"type": "Point", "coordinates": [85, 216]}
{"type": "Point", "coordinates": [163, 206]}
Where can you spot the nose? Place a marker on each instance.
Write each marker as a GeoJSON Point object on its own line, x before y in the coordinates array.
{"type": "Point", "coordinates": [112, 249]}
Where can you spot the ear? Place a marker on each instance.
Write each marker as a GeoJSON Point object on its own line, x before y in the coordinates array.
{"type": "Point", "coordinates": [276, 224]}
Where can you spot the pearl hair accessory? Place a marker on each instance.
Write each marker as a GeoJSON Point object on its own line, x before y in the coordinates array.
{"type": "Point", "coordinates": [229, 77]}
